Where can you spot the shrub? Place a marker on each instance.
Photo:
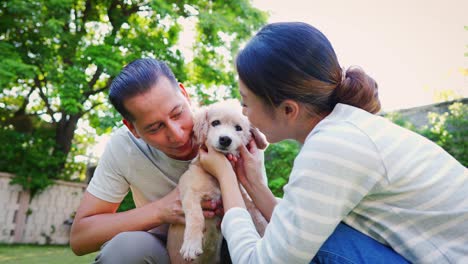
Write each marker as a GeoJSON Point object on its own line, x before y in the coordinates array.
{"type": "Point", "coordinates": [449, 130]}
{"type": "Point", "coordinates": [127, 203]}
{"type": "Point", "coordinates": [279, 159]}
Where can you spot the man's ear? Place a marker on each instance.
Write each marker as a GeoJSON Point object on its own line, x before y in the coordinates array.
{"type": "Point", "coordinates": [184, 92]}
{"type": "Point", "coordinates": [200, 124]}
{"type": "Point", "coordinates": [131, 127]}
{"type": "Point", "coordinates": [260, 139]}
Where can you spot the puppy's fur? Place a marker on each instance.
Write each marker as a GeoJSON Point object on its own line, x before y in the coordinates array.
{"type": "Point", "coordinates": [222, 126]}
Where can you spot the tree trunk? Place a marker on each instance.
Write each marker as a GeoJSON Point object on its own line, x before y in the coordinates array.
{"type": "Point", "coordinates": [65, 132]}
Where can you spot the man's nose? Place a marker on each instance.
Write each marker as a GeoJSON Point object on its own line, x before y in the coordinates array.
{"type": "Point", "coordinates": [176, 133]}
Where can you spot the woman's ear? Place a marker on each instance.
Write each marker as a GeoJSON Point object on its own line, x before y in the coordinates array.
{"type": "Point", "coordinates": [289, 109]}
{"type": "Point", "coordinates": [200, 125]}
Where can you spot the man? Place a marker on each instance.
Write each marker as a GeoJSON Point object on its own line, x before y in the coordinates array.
{"type": "Point", "coordinates": [148, 155]}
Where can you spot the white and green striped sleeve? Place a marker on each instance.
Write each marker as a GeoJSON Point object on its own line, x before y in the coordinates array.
{"type": "Point", "coordinates": [337, 166]}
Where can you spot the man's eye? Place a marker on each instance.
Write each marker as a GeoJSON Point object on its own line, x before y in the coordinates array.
{"type": "Point", "coordinates": [177, 115]}
{"type": "Point", "coordinates": [215, 123]}
{"type": "Point", "coordinates": [238, 128]}
{"type": "Point", "coordinates": [155, 129]}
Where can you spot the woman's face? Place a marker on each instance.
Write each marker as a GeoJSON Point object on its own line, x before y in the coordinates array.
{"type": "Point", "coordinates": [261, 117]}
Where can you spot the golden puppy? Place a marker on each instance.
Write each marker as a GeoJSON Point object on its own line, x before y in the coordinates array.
{"type": "Point", "coordinates": [222, 126]}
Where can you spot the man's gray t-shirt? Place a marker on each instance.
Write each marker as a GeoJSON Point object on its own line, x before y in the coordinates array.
{"type": "Point", "coordinates": [129, 162]}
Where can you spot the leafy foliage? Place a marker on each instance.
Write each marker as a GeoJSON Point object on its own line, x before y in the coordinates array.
{"type": "Point", "coordinates": [279, 159]}
{"type": "Point", "coordinates": [127, 203]}
{"type": "Point", "coordinates": [448, 130]}
{"type": "Point", "coordinates": [27, 158]}
{"type": "Point", "coordinates": [59, 57]}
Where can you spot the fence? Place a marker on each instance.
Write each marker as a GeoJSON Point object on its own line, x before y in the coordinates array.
{"type": "Point", "coordinates": [43, 220]}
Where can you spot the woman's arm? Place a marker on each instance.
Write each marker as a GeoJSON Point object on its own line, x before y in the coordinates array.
{"type": "Point", "coordinates": [249, 172]}
{"type": "Point", "coordinates": [316, 198]}
{"type": "Point", "coordinates": [263, 199]}
{"type": "Point", "coordinates": [218, 165]}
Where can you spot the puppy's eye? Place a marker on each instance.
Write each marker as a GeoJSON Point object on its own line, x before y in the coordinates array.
{"type": "Point", "coordinates": [238, 128]}
{"type": "Point", "coordinates": [215, 123]}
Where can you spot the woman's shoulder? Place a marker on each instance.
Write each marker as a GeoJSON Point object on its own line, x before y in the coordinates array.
{"type": "Point", "coordinates": [344, 121]}
{"type": "Point", "coordinates": [349, 120]}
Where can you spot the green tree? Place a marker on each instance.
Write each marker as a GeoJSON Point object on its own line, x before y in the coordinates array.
{"type": "Point", "coordinates": [59, 57]}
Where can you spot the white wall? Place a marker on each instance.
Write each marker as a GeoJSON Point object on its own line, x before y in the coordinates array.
{"type": "Point", "coordinates": [24, 221]}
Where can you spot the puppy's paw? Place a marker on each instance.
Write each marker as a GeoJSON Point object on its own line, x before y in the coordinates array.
{"type": "Point", "coordinates": [191, 249]}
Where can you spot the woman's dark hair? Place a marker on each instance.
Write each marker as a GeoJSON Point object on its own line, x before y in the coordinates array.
{"type": "Point", "coordinates": [294, 60]}
{"type": "Point", "coordinates": [136, 78]}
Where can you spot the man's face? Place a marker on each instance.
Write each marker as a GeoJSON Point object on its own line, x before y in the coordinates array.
{"type": "Point", "coordinates": [163, 119]}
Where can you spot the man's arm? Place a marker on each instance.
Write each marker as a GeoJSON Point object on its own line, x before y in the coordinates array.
{"type": "Point", "coordinates": [96, 220]}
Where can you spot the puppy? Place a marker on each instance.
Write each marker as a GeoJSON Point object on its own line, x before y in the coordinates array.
{"type": "Point", "coordinates": [222, 126]}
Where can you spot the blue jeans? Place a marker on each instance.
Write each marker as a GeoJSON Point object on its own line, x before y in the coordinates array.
{"type": "Point", "coordinates": [349, 246]}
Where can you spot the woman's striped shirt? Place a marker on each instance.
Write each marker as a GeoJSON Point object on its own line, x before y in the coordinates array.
{"type": "Point", "coordinates": [385, 181]}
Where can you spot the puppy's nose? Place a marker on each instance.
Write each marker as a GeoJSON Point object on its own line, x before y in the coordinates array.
{"type": "Point", "coordinates": [225, 141]}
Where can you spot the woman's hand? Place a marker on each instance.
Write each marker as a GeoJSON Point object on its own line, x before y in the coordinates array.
{"type": "Point", "coordinates": [219, 166]}
{"type": "Point", "coordinates": [215, 163]}
{"type": "Point", "coordinates": [248, 166]}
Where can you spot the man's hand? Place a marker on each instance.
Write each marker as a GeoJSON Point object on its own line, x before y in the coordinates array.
{"type": "Point", "coordinates": [170, 208]}
{"type": "Point", "coordinates": [212, 208]}
{"type": "Point", "coordinates": [171, 211]}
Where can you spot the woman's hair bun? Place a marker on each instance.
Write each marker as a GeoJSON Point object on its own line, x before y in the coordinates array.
{"type": "Point", "coordinates": [358, 89]}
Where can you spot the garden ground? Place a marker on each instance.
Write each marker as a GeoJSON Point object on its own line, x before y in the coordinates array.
{"type": "Point", "coordinates": [36, 254]}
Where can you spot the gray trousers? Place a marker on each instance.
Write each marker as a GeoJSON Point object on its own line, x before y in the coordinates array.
{"type": "Point", "coordinates": [135, 247]}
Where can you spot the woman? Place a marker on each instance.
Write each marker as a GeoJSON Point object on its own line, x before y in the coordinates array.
{"type": "Point", "coordinates": [355, 171]}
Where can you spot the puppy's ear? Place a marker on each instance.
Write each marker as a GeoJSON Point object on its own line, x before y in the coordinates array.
{"type": "Point", "coordinates": [259, 138]}
{"type": "Point", "coordinates": [200, 124]}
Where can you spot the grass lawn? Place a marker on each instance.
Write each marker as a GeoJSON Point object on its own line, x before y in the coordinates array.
{"type": "Point", "coordinates": [35, 254]}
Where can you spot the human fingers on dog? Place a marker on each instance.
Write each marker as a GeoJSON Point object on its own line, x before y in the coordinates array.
{"type": "Point", "coordinates": [209, 204]}
{"type": "Point", "coordinates": [248, 168]}
{"type": "Point", "coordinates": [170, 208]}
{"type": "Point", "coordinates": [209, 214]}
{"type": "Point", "coordinates": [252, 147]}
{"type": "Point", "coordinates": [240, 172]}
{"type": "Point", "coordinates": [212, 208]}
{"type": "Point", "coordinates": [246, 151]}
{"type": "Point", "coordinates": [231, 158]}
{"type": "Point", "coordinates": [214, 162]}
